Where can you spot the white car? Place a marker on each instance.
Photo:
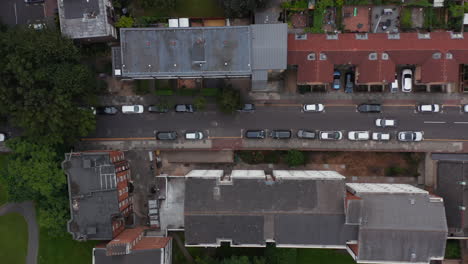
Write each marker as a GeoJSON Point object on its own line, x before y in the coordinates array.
{"type": "Point", "coordinates": [465, 108]}
{"type": "Point", "coordinates": [379, 136]}
{"type": "Point", "coordinates": [410, 136]}
{"type": "Point", "coordinates": [358, 135]}
{"type": "Point", "coordinates": [313, 108]}
{"type": "Point", "coordinates": [194, 135]}
{"type": "Point", "coordinates": [383, 122]}
{"type": "Point", "coordinates": [132, 109]}
{"type": "Point", "coordinates": [428, 108]}
{"type": "Point", "coordinates": [330, 135]}
{"type": "Point", "coordinates": [407, 80]}
{"type": "Point", "coordinates": [2, 137]}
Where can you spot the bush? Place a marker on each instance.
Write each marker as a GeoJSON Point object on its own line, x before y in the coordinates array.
{"type": "Point", "coordinates": [295, 158]}
{"type": "Point", "coordinates": [125, 22]}
{"type": "Point", "coordinates": [164, 92]}
{"type": "Point", "coordinates": [405, 20]}
{"type": "Point", "coordinates": [209, 92]}
{"type": "Point", "coordinates": [452, 250]}
{"type": "Point", "coordinates": [229, 100]}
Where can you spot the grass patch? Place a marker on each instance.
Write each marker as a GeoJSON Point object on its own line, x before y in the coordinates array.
{"type": "Point", "coordinates": [14, 239]}
{"type": "Point", "coordinates": [325, 256]}
{"type": "Point", "coordinates": [142, 87]}
{"type": "Point", "coordinates": [3, 189]}
{"type": "Point", "coordinates": [163, 92]}
{"type": "Point", "coordinates": [452, 250]}
{"type": "Point", "coordinates": [54, 250]}
{"type": "Point", "coordinates": [209, 92]}
{"type": "Point", "coordinates": [187, 92]}
{"type": "Point", "coordinates": [405, 18]}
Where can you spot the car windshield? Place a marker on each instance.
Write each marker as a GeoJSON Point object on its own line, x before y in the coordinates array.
{"type": "Point", "coordinates": [135, 108]}
{"type": "Point", "coordinates": [407, 76]}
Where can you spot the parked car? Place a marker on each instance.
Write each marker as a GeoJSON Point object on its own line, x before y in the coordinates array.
{"type": "Point", "coordinates": [349, 84]}
{"type": "Point", "coordinates": [255, 134]}
{"type": "Point", "coordinates": [194, 135]}
{"type": "Point", "coordinates": [428, 108]}
{"type": "Point", "coordinates": [358, 135]}
{"type": "Point", "coordinates": [394, 85]}
{"type": "Point", "coordinates": [280, 134]}
{"type": "Point", "coordinates": [132, 109]}
{"type": "Point", "coordinates": [379, 136]}
{"type": "Point", "coordinates": [166, 135]}
{"type": "Point", "coordinates": [313, 108]}
{"type": "Point", "coordinates": [384, 122]}
{"type": "Point", "coordinates": [106, 110]}
{"type": "Point", "coordinates": [157, 109]}
{"type": "Point", "coordinates": [307, 134]}
{"type": "Point", "coordinates": [3, 136]}
{"type": "Point", "coordinates": [247, 108]}
{"type": "Point", "coordinates": [410, 136]}
{"type": "Point", "coordinates": [465, 108]}
{"type": "Point", "coordinates": [330, 135]}
{"type": "Point", "coordinates": [33, 1]}
{"type": "Point", "coordinates": [184, 108]}
{"type": "Point", "coordinates": [369, 108]}
{"type": "Point", "coordinates": [407, 80]}
{"type": "Point", "coordinates": [336, 80]}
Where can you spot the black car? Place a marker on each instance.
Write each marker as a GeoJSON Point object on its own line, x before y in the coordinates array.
{"type": "Point", "coordinates": [349, 85]}
{"type": "Point", "coordinates": [106, 110]}
{"type": "Point", "coordinates": [255, 134]}
{"type": "Point", "coordinates": [166, 135]}
{"type": "Point", "coordinates": [33, 1]}
{"type": "Point", "coordinates": [369, 108]}
{"type": "Point", "coordinates": [307, 134]}
{"type": "Point", "coordinates": [157, 109]}
{"type": "Point", "coordinates": [184, 108]}
{"type": "Point", "coordinates": [280, 134]}
{"type": "Point", "coordinates": [247, 108]}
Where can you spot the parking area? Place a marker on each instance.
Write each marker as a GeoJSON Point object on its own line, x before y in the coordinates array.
{"type": "Point", "coordinates": [385, 19]}
{"type": "Point", "coordinates": [356, 18]}
{"type": "Point", "coordinates": [17, 12]}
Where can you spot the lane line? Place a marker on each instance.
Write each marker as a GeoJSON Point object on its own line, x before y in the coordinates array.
{"type": "Point", "coordinates": [436, 139]}
{"type": "Point", "coordinates": [460, 122]}
{"type": "Point", "coordinates": [434, 122]}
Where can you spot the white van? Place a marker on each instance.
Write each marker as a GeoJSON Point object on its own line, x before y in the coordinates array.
{"type": "Point", "coordinates": [132, 109]}
{"type": "Point", "coordinates": [194, 135]}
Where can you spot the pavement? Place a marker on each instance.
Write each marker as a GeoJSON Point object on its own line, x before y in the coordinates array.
{"type": "Point", "coordinates": [26, 209]}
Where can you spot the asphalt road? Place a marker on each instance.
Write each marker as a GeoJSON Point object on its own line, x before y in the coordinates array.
{"type": "Point", "coordinates": [449, 125]}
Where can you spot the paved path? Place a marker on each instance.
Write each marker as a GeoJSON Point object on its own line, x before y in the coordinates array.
{"type": "Point", "coordinates": [27, 210]}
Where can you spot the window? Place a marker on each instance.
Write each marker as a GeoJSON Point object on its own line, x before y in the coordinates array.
{"type": "Point", "coordinates": [311, 56]}
{"type": "Point", "coordinates": [301, 36]}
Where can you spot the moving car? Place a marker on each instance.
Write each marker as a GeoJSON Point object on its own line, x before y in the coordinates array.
{"type": "Point", "coordinates": [407, 80]}
{"type": "Point", "coordinates": [313, 108]}
{"type": "Point", "coordinates": [349, 84]}
{"type": "Point", "coordinates": [358, 135]}
{"type": "Point", "coordinates": [465, 108]}
{"type": "Point", "coordinates": [166, 135]}
{"type": "Point", "coordinates": [194, 135]}
{"type": "Point", "coordinates": [369, 108]}
{"type": "Point", "coordinates": [132, 109]}
{"type": "Point", "coordinates": [428, 108]}
{"type": "Point", "coordinates": [247, 108]}
{"type": "Point", "coordinates": [384, 122]}
{"type": "Point", "coordinates": [336, 80]}
{"type": "Point", "coordinates": [184, 108]}
{"type": "Point", "coordinates": [379, 136]}
{"type": "Point", "coordinates": [157, 109]}
{"type": "Point", "coordinates": [330, 135]}
{"type": "Point", "coordinates": [280, 134]}
{"type": "Point", "coordinates": [255, 134]}
{"type": "Point", "coordinates": [3, 137]}
{"type": "Point", "coordinates": [307, 134]}
{"type": "Point", "coordinates": [410, 136]}
{"type": "Point", "coordinates": [106, 110]}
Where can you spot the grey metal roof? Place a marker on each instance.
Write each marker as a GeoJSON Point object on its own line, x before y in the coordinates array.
{"type": "Point", "coordinates": [78, 8]}
{"type": "Point", "coordinates": [449, 176]}
{"type": "Point", "coordinates": [249, 211]}
{"type": "Point", "coordinates": [401, 228]}
{"type": "Point", "coordinates": [269, 46]}
{"type": "Point", "coordinates": [93, 195]}
{"type": "Point", "coordinates": [151, 256]}
{"type": "Point", "coordinates": [194, 51]}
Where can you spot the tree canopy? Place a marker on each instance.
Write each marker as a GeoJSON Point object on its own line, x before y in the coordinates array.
{"type": "Point", "coordinates": [43, 84]}
{"type": "Point", "coordinates": [241, 8]}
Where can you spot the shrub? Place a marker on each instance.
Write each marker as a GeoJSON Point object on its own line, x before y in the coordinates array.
{"type": "Point", "coordinates": [125, 22]}
{"type": "Point", "coordinates": [164, 92]}
{"type": "Point", "coordinates": [295, 158]}
{"type": "Point", "coordinates": [209, 91]}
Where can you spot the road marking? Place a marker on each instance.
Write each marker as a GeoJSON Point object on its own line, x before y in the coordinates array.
{"type": "Point", "coordinates": [117, 139]}
{"type": "Point", "coordinates": [460, 122]}
{"type": "Point", "coordinates": [436, 139]}
{"type": "Point", "coordinates": [224, 137]}
{"type": "Point", "coordinates": [434, 122]}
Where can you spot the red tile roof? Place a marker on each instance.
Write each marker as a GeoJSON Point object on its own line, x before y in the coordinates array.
{"type": "Point", "coordinates": [409, 49]}
{"type": "Point", "coordinates": [152, 243]}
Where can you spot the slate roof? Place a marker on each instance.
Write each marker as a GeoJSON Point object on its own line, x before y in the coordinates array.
{"type": "Point", "coordinates": [93, 195]}
{"type": "Point", "coordinates": [295, 210]}
{"type": "Point", "coordinates": [400, 227]}
{"type": "Point", "coordinates": [407, 49]}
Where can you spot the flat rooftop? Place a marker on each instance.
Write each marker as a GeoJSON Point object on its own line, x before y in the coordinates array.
{"type": "Point", "coordinates": [186, 51]}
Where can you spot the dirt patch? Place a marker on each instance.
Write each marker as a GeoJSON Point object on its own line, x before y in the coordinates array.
{"type": "Point", "coordinates": [119, 87]}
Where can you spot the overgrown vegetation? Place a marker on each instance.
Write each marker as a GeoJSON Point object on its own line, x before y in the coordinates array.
{"type": "Point", "coordinates": [229, 100]}
{"type": "Point", "coordinates": [405, 18]}
{"type": "Point", "coordinates": [292, 158]}
{"type": "Point", "coordinates": [295, 158]}
{"type": "Point", "coordinates": [241, 8]}
{"type": "Point", "coordinates": [452, 249]}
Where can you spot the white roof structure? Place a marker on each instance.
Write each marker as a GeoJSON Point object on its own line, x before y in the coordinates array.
{"type": "Point", "coordinates": [362, 188]}
{"type": "Point", "coordinates": [307, 174]}
{"type": "Point", "coordinates": [438, 3]}
{"type": "Point", "coordinates": [173, 22]}
{"type": "Point", "coordinates": [184, 22]}
{"type": "Point", "coordinates": [465, 19]}
{"type": "Point", "coordinates": [248, 174]}
{"type": "Point", "coordinates": [205, 174]}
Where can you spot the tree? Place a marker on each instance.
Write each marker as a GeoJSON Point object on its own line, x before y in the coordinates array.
{"type": "Point", "coordinates": [161, 4]}
{"type": "Point", "coordinates": [44, 84]}
{"type": "Point", "coordinates": [229, 100]}
{"type": "Point", "coordinates": [295, 158]}
{"type": "Point", "coordinates": [236, 260]}
{"type": "Point", "coordinates": [200, 103]}
{"type": "Point", "coordinates": [241, 8]}
{"type": "Point", "coordinates": [125, 22]}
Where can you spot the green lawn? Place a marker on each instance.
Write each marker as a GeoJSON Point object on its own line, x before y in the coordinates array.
{"type": "Point", "coordinates": [14, 239]}
{"type": "Point", "coordinates": [185, 8]}
{"type": "Point", "coordinates": [323, 256]}
{"type": "Point", "coordinates": [64, 250]}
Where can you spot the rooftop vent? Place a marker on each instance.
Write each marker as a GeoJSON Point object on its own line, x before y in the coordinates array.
{"type": "Point", "coordinates": [86, 163]}
{"type": "Point", "coordinates": [412, 201]}
{"type": "Point", "coordinates": [332, 36]}
{"type": "Point", "coordinates": [311, 56]}
{"type": "Point", "coordinates": [393, 36]}
{"type": "Point", "coordinates": [454, 35]}
{"type": "Point", "coordinates": [413, 255]}
{"type": "Point", "coordinates": [323, 56]}
{"type": "Point", "coordinates": [361, 36]}
{"type": "Point", "coordinates": [448, 56]}
{"type": "Point", "coordinates": [385, 56]}
{"type": "Point", "coordinates": [373, 56]}
{"type": "Point", "coordinates": [437, 55]}
{"type": "Point", "coordinates": [301, 36]}
{"type": "Point", "coordinates": [424, 35]}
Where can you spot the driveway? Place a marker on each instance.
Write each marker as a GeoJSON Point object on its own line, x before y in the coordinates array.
{"type": "Point", "coordinates": [26, 209]}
